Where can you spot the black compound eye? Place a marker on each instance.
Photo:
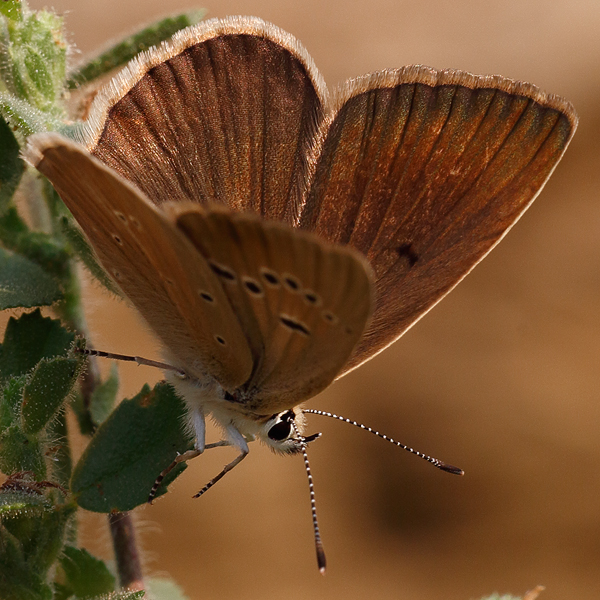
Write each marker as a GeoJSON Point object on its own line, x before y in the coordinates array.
{"type": "Point", "coordinates": [280, 431]}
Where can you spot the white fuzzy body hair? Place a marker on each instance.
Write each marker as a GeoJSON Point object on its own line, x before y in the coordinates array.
{"type": "Point", "coordinates": [207, 398]}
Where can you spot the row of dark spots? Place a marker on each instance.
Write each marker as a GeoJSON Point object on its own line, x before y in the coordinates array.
{"type": "Point", "coordinates": [272, 279]}
{"type": "Point", "coordinates": [123, 219]}
{"type": "Point", "coordinates": [291, 283]}
{"type": "Point", "coordinates": [228, 275]}
{"type": "Point", "coordinates": [289, 322]}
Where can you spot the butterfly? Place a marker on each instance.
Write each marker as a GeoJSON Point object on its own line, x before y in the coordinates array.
{"type": "Point", "coordinates": [275, 236]}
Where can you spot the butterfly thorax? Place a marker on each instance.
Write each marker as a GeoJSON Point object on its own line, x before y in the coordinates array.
{"type": "Point", "coordinates": [282, 432]}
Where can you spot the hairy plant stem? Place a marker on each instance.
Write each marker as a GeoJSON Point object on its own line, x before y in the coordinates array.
{"type": "Point", "coordinates": [127, 556]}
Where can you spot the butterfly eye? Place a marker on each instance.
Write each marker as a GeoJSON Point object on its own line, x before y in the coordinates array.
{"type": "Point", "coordinates": [283, 427]}
{"type": "Point", "coordinates": [280, 431]}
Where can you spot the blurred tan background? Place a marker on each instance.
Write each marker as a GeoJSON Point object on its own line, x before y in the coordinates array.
{"type": "Point", "coordinates": [502, 378]}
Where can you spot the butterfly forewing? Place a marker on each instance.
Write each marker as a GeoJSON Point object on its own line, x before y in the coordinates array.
{"type": "Point", "coordinates": [423, 172]}
{"type": "Point", "coordinates": [222, 115]}
{"type": "Point", "coordinates": [302, 302]}
{"type": "Point", "coordinates": [164, 276]}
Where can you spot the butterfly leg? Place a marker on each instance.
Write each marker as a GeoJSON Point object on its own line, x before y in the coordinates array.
{"type": "Point", "coordinates": [237, 439]}
{"type": "Point", "coordinates": [199, 446]}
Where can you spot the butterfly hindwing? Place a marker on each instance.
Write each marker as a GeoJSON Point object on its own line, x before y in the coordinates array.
{"type": "Point", "coordinates": [302, 302]}
{"type": "Point", "coordinates": [424, 172]}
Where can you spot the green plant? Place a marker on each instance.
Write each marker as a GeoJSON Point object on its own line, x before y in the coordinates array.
{"type": "Point", "coordinates": [42, 375]}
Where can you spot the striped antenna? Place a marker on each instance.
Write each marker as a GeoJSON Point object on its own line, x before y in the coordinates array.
{"type": "Point", "coordinates": [321, 560]}
{"type": "Point", "coordinates": [440, 464]}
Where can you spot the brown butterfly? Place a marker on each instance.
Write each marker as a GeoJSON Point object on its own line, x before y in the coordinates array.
{"type": "Point", "coordinates": [275, 237]}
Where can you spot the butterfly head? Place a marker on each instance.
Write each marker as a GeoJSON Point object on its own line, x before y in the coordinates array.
{"type": "Point", "coordinates": [282, 432]}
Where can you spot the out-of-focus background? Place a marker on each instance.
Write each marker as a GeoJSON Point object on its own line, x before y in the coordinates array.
{"type": "Point", "coordinates": [502, 378]}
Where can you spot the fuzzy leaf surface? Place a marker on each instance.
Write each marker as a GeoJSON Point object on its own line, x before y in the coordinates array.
{"type": "Point", "coordinates": [141, 437]}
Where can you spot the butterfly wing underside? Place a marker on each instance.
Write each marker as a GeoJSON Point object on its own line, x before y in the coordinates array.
{"type": "Point", "coordinates": [222, 114]}
{"type": "Point", "coordinates": [424, 172]}
{"type": "Point", "coordinates": [162, 274]}
{"type": "Point", "coordinates": [302, 302]}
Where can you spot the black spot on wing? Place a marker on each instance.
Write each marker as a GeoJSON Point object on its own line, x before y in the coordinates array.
{"type": "Point", "coordinates": [270, 277]}
{"type": "Point", "coordinates": [408, 252]}
{"type": "Point", "coordinates": [252, 286]}
{"type": "Point", "coordinates": [222, 271]}
{"type": "Point", "coordinates": [294, 324]}
{"type": "Point", "coordinates": [291, 283]}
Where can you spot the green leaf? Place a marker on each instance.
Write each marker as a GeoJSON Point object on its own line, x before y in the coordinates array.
{"type": "Point", "coordinates": [11, 227]}
{"type": "Point", "coordinates": [85, 253]}
{"type": "Point", "coordinates": [11, 9]}
{"type": "Point", "coordinates": [20, 502]}
{"type": "Point", "coordinates": [48, 42]}
{"type": "Point", "coordinates": [85, 574]}
{"type": "Point", "coordinates": [27, 119]}
{"type": "Point", "coordinates": [44, 395]}
{"type": "Point", "coordinates": [104, 396]}
{"type": "Point", "coordinates": [30, 338]}
{"type": "Point", "coordinates": [27, 341]}
{"type": "Point", "coordinates": [59, 451]}
{"type": "Point", "coordinates": [62, 592]}
{"type": "Point", "coordinates": [41, 536]}
{"type": "Point", "coordinates": [44, 249]}
{"type": "Point", "coordinates": [36, 61]}
{"type": "Point", "coordinates": [128, 48]}
{"type": "Point", "coordinates": [31, 543]}
{"type": "Point", "coordinates": [41, 78]}
{"type": "Point", "coordinates": [20, 582]}
{"type": "Point", "coordinates": [11, 165]}
{"type": "Point", "coordinates": [11, 397]}
{"type": "Point", "coordinates": [21, 452]}
{"type": "Point", "coordinates": [140, 439]}
{"type": "Point", "coordinates": [25, 284]}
